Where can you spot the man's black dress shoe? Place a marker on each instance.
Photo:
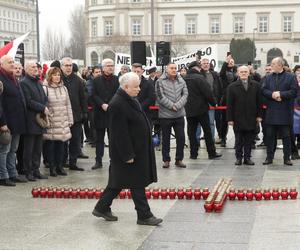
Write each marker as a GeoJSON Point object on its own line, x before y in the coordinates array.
{"type": "Point", "coordinates": [107, 215]}
{"type": "Point", "coordinates": [238, 162]}
{"type": "Point", "coordinates": [7, 183]}
{"type": "Point", "coordinates": [267, 162]}
{"type": "Point", "coordinates": [152, 221]}
{"type": "Point", "coordinates": [30, 177]}
{"type": "Point", "coordinates": [19, 179]}
{"type": "Point", "coordinates": [288, 163]}
{"type": "Point", "coordinates": [40, 176]}
{"type": "Point", "coordinates": [83, 156]}
{"type": "Point", "coordinates": [76, 168]}
{"type": "Point", "coordinates": [97, 165]}
{"type": "Point", "coordinates": [249, 162]}
{"type": "Point", "coordinates": [216, 155]}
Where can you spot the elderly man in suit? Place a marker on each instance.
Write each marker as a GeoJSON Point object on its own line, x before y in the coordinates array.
{"type": "Point", "coordinates": [12, 119]}
{"type": "Point", "coordinates": [243, 113]}
{"type": "Point", "coordinates": [131, 151]}
{"type": "Point", "coordinates": [280, 90]}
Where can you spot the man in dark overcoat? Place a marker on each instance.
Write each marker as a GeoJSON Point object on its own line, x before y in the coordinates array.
{"type": "Point", "coordinates": [12, 119]}
{"type": "Point", "coordinates": [104, 88]}
{"type": "Point", "coordinates": [36, 102]}
{"type": "Point", "coordinates": [132, 155]}
{"type": "Point", "coordinates": [244, 111]}
{"type": "Point", "coordinates": [280, 90]}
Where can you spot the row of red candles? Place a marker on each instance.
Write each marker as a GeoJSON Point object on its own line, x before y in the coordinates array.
{"type": "Point", "coordinates": [156, 193]}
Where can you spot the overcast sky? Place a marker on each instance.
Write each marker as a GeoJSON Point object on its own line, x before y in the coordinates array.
{"type": "Point", "coordinates": [55, 14]}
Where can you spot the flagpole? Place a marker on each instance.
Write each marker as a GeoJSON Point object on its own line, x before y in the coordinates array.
{"type": "Point", "coordinates": [38, 30]}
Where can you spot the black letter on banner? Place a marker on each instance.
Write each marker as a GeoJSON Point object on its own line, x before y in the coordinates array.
{"type": "Point", "coordinates": [120, 60]}
{"type": "Point", "coordinates": [208, 51]}
{"type": "Point", "coordinates": [213, 62]}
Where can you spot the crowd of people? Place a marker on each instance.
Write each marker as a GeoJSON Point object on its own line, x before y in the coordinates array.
{"type": "Point", "coordinates": [47, 113]}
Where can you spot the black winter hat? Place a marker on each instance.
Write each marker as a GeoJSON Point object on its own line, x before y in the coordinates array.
{"type": "Point", "coordinates": [55, 63]}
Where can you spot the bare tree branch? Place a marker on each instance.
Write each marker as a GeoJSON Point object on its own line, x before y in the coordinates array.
{"type": "Point", "coordinates": [54, 45]}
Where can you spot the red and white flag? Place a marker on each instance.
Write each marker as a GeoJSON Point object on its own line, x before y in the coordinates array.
{"type": "Point", "coordinates": [12, 47]}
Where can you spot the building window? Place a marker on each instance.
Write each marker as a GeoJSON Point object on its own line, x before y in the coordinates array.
{"type": "Point", "coordinates": [215, 25]}
{"type": "Point", "coordinates": [287, 23]}
{"type": "Point", "coordinates": [136, 1]}
{"type": "Point", "coordinates": [94, 2]}
{"type": "Point", "coordinates": [136, 27]}
{"type": "Point", "coordinates": [108, 1]}
{"type": "Point", "coordinates": [108, 28]}
{"type": "Point", "coordinates": [263, 23]}
{"type": "Point", "coordinates": [191, 25]}
{"type": "Point", "coordinates": [94, 27]}
{"type": "Point", "coordinates": [168, 26]}
{"type": "Point", "coordinates": [238, 24]}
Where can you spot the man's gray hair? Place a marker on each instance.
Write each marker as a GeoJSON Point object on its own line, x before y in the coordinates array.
{"type": "Point", "coordinates": [128, 78]}
{"type": "Point", "coordinates": [106, 61]}
{"type": "Point", "coordinates": [279, 60]}
{"type": "Point", "coordinates": [29, 64]}
{"type": "Point", "coordinates": [66, 59]}
{"type": "Point", "coordinates": [243, 67]}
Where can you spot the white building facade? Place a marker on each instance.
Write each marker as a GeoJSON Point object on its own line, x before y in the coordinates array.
{"type": "Point", "coordinates": [193, 24]}
{"type": "Point", "coordinates": [17, 17]}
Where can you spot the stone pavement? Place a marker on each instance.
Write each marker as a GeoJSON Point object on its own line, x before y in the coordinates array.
{"type": "Point", "coordinates": [44, 224]}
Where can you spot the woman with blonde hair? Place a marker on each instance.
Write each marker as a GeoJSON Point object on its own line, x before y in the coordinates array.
{"type": "Point", "coordinates": [60, 120]}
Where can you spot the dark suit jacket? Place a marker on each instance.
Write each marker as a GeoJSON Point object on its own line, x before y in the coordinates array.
{"type": "Point", "coordinates": [36, 101]}
{"type": "Point", "coordinates": [243, 107]}
{"type": "Point", "coordinates": [103, 91]}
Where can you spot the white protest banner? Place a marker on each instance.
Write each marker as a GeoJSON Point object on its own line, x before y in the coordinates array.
{"type": "Point", "coordinates": [210, 52]}
{"type": "Point", "coordinates": [125, 59]}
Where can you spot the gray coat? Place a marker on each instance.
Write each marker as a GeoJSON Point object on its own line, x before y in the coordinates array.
{"type": "Point", "coordinates": [171, 93]}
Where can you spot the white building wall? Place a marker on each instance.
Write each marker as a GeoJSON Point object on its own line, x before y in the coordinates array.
{"type": "Point", "coordinates": [124, 10]}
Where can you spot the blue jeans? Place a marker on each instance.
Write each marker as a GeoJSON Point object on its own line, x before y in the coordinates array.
{"type": "Point", "coordinates": [8, 158]}
{"type": "Point", "coordinates": [211, 114]}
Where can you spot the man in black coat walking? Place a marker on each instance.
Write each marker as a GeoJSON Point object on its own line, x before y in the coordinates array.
{"type": "Point", "coordinates": [104, 88]}
{"type": "Point", "coordinates": [244, 111]}
{"type": "Point", "coordinates": [132, 155]}
{"type": "Point", "coordinates": [75, 86]}
{"type": "Point", "coordinates": [196, 108]}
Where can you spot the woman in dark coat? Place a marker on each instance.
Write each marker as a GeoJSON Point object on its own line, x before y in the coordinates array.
{"type": "Point", "coordinates": [132, 156]}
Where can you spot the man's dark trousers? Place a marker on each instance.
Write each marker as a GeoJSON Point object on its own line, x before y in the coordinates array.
{"type": "Point", "coordinates": [166, 126]}
{"type": "Point", "coordinates": [138, 197]}
{"type": "Point", "coordinates": [271, 131]}
{"type": "Point", "coordinates": [243, 143]}
{"type": "Point", "coordinates": [192, 128]}
{"type": "Point", "coordinates": [75, 143]}
{"type": "Point", "coordinates": [100, 135]}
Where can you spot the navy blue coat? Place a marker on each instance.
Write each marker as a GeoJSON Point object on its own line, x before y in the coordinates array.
{"type": "Point", "coordinates": [36, 101]}
{"type": "Point", "coordinates": [280, 113]}
{"type": "Point", "coordinates": [13, 105]}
